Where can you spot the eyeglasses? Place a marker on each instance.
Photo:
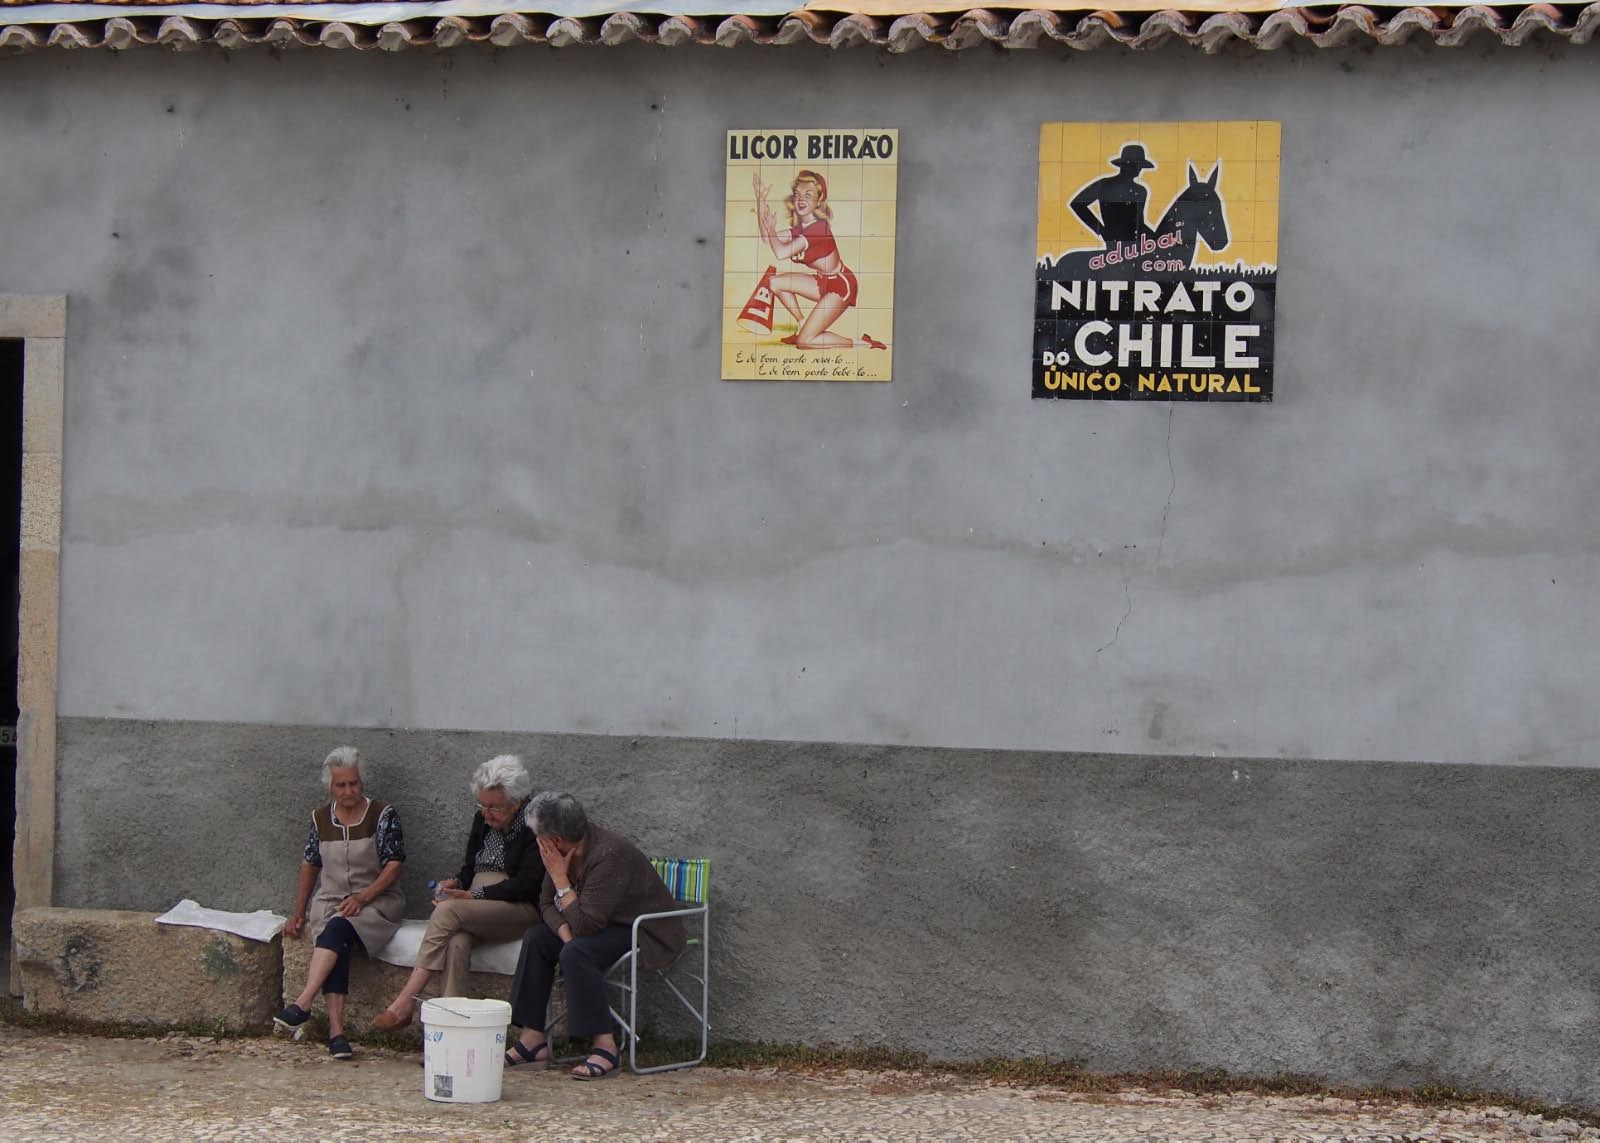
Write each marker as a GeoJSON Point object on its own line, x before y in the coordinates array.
{"type": "Point", "coordinates": [495, 807]}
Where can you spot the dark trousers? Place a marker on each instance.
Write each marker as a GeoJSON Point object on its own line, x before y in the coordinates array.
{"type": "Point", "coordinates": [583, 962]}
{"type": "Point", "coordinates": [341, 937]}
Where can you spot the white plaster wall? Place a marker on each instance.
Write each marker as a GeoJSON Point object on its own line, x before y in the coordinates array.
{"type": "Point", "coordinates": [393, 400]}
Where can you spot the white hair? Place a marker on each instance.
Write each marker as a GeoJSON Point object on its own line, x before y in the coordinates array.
{"type": "Point", "coordinates": [342, 759]}
{"type": "Point", "coordinates": [503, 772]}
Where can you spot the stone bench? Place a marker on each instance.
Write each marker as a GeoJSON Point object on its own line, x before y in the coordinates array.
{"type": "Point", "coordinates": [375, 981]}
{"type": "Point", "coordinates": [122, 967]}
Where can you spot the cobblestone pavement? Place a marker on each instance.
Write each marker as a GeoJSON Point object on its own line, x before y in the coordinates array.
{"type": "Point", "coordinates": [61, 1087]}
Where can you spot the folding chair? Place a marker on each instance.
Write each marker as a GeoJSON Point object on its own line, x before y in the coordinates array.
{"type": "Point", "coordinates": [690, 882]}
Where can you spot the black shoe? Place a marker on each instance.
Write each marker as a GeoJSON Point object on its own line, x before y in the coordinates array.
{"type": "Point", "coordinates": [291, 1018]}
{"type": "Point", "coordinates": [339, 1048]}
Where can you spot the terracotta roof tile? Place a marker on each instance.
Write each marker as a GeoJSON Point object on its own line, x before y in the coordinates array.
{"type": "Point", "coordinates": [25, 27]}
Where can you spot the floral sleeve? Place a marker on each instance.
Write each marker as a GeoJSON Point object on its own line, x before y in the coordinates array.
{"type": "Point", "coordinates": [391, 840]}
{"type": "Point", "coordinates": [313, 853]}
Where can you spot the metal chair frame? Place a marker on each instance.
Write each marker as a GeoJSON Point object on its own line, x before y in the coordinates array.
{"type": "Point", "coordinates": [623, 976]}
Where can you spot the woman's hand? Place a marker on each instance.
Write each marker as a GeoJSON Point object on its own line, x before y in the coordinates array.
{"type": "Point", "coordinates": [442, 894]}
{"type": "Point", "coordinates": [447, 883]}
{"type": "Point", "coordinates": [767, 224]}
{"type": "Point", "coordinates": [351, 905]}
{"type": "Point", "coordinates": [556, 863]}
{"type": "Point", "coordinates": [302, 897]}
{"type": "Point", "coordinates": [766, 221]}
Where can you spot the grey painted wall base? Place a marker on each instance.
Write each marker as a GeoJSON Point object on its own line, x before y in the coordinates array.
{"type": "Point", "coordinates": [1364, 922]}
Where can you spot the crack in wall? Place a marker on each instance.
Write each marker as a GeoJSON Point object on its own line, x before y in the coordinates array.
{"type": "Point", "coordinates": [1127, 611]}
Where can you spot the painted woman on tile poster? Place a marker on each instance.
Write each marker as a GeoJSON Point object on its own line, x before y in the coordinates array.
{"type": "Point", "coordinates": [826, 281]}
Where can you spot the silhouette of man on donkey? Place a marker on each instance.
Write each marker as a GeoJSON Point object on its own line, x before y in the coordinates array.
{"type": "Point", "coordinates": [1113, 208]}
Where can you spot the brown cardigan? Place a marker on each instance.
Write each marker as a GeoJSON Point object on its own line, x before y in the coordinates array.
{"type": "Point", "coordinates": [615, 884]}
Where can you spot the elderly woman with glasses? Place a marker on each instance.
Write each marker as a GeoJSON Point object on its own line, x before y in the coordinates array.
{"type": "Point", "coordinates": [491, 899]}
{"type": "Point", "coordinates": [596, 883]}
{"type": "Point", "coordinates": [352, 859]}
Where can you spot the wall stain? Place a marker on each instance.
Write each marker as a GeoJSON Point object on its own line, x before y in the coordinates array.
{"type": "Point", "coordinates": [219, 962]}
{"type": "Point", "coordinates": [1158, 721]}
{"type": "Point", "coordinates": [80, 965]}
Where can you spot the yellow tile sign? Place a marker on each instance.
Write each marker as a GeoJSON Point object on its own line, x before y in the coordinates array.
{"type": "Point", "coordinates": [808, 254]}
{"type": "Point", "coordinates": [1157, 261]}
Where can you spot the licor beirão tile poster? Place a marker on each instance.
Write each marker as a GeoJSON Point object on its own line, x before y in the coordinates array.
{"type": "Point", "coordinates": [808, 255]}
{"type": "Point", "coordinates": [1156, 270]}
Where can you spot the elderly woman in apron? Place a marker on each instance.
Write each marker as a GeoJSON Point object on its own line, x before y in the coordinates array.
{"type": "Point", "coordinates": [353, 858]}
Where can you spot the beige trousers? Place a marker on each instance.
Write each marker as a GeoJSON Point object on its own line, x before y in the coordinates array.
{"type": "Point", "coordinates": [459, 923]}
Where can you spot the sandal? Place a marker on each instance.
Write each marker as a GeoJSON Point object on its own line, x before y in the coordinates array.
{"type": "Point", "coordinates": [387, 1021]}
{"type": "Point", "coordinates": [538, 1055]}
{"type": "Point", "coordinates": [339, 1048]}
{"type": "Point", "coordinates": [589, 1070]}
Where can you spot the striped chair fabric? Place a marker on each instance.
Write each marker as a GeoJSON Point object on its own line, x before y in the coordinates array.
{"type": "Point", "coordinates": [689, 878]}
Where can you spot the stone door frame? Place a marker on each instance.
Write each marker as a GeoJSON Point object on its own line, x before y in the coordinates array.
{"type": "Point", "coordinates": [40, 321]}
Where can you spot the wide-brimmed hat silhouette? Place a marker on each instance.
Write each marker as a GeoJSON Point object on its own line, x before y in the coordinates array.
{"type": "Point", "coordinates": [1132, 158]}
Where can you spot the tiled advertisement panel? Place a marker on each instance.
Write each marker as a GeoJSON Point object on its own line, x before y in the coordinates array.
{"type": "Point", "coordinates": [1156, 263]}
{"type": "Point", "coordinates": [808, 255]}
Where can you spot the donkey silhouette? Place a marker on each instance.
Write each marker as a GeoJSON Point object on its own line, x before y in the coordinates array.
{"type": "Point", "coordinates": [1195, 216]}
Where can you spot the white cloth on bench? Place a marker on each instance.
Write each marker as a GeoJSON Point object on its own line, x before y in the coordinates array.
{"type": "Point", "coordinates": [262, 925]}
{"type": "Point", "coordinates": [403, 947]}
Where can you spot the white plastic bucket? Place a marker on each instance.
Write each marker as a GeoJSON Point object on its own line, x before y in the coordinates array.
{"type": "Point", "coordinates": [463, 1049]}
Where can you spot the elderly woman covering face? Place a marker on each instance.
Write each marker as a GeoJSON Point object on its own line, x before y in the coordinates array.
{"type": "Point", "coordinates": [353, 857]}
{"type": "Point", "coordinates": [596, 882]}
{"type": "Point", "coordinates": [492, 897]}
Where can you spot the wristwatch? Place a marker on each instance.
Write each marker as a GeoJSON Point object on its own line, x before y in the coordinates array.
{"type": "Point", "coordinates": [560, 893]}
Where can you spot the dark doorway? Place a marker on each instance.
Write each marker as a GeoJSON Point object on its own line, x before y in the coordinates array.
{"type": "Point", "coordinates": [10, 564]}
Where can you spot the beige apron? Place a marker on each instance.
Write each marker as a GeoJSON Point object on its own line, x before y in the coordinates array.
{"type": "Point", "coordinates": [349, 865]}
